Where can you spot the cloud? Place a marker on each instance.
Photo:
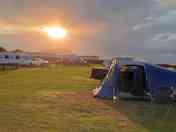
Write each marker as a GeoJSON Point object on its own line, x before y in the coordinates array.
{"type": "Point", "coordinates": [155, 35]}
{"type": "Point", "coordinates": [140, 28]}
{"type": "Point", "coordinates": [165, 37]}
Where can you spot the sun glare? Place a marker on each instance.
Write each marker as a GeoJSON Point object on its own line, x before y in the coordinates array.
{"type": "Point", "coordinates": [56, 32]}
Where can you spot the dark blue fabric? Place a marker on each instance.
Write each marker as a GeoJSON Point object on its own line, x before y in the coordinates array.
{"type": "Point", "coordinates": [109, 86]}
{"type": "Point", "coordinates": [159, 78]}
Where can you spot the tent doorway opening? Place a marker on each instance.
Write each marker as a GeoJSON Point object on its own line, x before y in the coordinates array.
{"type": "Point", "coordinates": [132, 80]}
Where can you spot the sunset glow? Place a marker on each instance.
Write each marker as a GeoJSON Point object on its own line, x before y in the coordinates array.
{"type": "Point", "coordinates": [56, 32]}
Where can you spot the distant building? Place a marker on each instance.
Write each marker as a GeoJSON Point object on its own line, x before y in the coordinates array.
{"type": "Point", "coordinates": [67, 58]}
{"type": "Point", "coordinates": [125, 60]}
{"type": "Point", "coordinates": [121, 61]}
{"type": "Point", "coordinates": [43, 55]}
{"type": "Point", "coordinates": [90, 57]}
{"type": "Point", "coordinates": [50, 57]}
{"type": "Point", "coordinates": [18, 58]}
{"type": "Point", "coordinates": [71, 59]}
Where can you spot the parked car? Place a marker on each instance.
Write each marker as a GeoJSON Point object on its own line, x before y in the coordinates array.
{"type": "Point", "coordinates": [39, 62]}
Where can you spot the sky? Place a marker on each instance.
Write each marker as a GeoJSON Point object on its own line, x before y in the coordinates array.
{"type": "Point", "coordinates": [144, 29]}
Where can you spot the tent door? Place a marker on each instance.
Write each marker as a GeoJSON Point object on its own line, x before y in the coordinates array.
{"type": "Point", "coordinates": [132, 80]}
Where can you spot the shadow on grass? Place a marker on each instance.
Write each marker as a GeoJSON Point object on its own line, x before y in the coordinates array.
{"type": "Point", "coordinates": [7, 69]}
{"type": "Point", "coordinates": [146, 116]}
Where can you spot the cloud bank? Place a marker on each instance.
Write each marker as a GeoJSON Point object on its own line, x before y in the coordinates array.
{"type": "Point", "coordinates": [144, 29]}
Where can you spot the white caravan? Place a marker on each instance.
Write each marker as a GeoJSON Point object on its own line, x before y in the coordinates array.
{"type": "Point", "coordinates": [12, 58]}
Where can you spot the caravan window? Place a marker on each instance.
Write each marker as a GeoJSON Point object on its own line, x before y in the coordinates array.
{"type": "Point", "coordinates": [17, 57]}
{"type": "Point", "coordinates": [6, 57]}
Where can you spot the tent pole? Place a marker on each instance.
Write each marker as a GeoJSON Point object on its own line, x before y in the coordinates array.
{"type": "Point", "coordinates": [114, 94]}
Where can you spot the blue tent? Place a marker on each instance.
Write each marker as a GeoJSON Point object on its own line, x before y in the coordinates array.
{"type": "Point", "coordinates": [158, 83]}
{"type": "Point", "coordinates": [109, 86]}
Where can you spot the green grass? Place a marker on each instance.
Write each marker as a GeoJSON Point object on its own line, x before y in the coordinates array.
{"type": "Point", "coordinates": [58, 99]}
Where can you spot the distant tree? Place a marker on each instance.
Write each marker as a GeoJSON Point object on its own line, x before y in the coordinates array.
{"type": "Point", "coordinates": [2, 49]}
{"type": "Point", "coordinates": [17, 51]}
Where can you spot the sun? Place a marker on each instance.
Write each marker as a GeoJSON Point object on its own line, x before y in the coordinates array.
{"type": "Point", "coordinates": [56, 32]}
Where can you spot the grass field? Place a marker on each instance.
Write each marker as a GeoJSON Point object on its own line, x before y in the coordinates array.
{"type": "Point", "coordinates": [58, 99]}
